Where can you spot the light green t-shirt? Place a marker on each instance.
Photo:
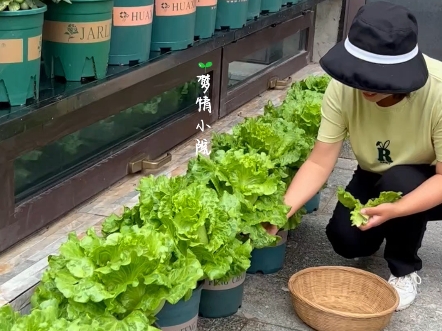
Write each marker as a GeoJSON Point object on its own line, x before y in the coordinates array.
{"type": "Point", "coordinates": [409, 132]}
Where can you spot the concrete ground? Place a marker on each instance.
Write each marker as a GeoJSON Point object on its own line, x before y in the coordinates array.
{"type": "Point", "coordinates": [267, 305]}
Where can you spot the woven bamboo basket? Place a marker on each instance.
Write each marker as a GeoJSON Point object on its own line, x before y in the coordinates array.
{"type": "Point", "coordinates": [342, 299]}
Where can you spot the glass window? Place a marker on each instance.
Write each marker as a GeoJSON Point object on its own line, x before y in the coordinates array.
{"type": "Point", "coordinates": [254, 63]}
{"type": "Point", "coordinates": [40, 168]}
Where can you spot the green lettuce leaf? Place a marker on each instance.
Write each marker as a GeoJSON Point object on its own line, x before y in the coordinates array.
{"type": "Point", "coordinates": [350, 202]}
{"type": "Point", "coordinates": [254, 180]}
{"type": "Point", "coordinates": [8, 318]}
{"type": "Point", "coordinates": [199, 220]}
{"type": "Point", "coordinates": [97, 275]}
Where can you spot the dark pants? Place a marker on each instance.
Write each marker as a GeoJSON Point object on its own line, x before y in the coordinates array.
{"type": "Point", "coordinates": [403, 235]}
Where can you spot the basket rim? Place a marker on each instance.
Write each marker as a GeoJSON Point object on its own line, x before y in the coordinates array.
{"type": "Point", "coordinates": [340, 313]}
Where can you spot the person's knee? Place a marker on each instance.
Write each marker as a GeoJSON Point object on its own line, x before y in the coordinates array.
{"type": "Point", "coordinates": [401, 178]}
{"type": "Point", "coordinates": [343, 243]}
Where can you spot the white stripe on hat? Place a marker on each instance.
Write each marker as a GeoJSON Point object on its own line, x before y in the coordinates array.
{"type": "Point", "coordinates": [377, 58]}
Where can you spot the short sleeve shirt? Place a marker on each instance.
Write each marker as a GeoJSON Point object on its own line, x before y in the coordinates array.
{"type": "Point", "coordinates": [409, 132]}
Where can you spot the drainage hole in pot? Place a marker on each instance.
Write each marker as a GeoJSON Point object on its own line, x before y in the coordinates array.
{"type": "Point", "coordinates": [165, 50]}
{"type": "Point", "coordinates": [85, 80]}
{"type": "Point", "coordinates": [196, 38]}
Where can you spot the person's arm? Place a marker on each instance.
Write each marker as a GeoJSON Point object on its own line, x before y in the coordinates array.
{"type": "Point", "coordinates": [317, 168]}
{"type": "Point", "coordinates": [429, 193]}
{"type": "Point", "coordinates": [315, 171]}
{"type": "Point", "coordinates": [424, 197]}
{"type": "Point", "coordinates": [312, 175]}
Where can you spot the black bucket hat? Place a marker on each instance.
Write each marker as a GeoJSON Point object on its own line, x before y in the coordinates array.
{"type": "Point", "coordinates": [381, 52]}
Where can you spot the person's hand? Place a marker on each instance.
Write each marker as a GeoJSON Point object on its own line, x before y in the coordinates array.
{"type": "Point", "coordinates": [378, 215]}
{"type": "Point", "coordinates": [270, 228]}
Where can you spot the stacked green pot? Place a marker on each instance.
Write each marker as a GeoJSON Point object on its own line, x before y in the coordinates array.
{"type": "Point", "coordinates": [76, 39]}
{"type": "Point", "coordinates": [270, 6]}
{"type": "Point", "coordinates": [205, 18]}
{"type": "Point", "coordinates": [254, 9]}
{"type": "Point", "coordinates": [20, 53]}
{"type": "Point", "coordinates": [131, 31]}
{"type": "Point", "coordinates": [269, 260]}
{"type": "Point", "coordinates": [173, 25]}
{"type": "Point", "coordinates": [313, 204]}
{"type": "Point", "coordinates": [182, 315]}
{"type": "Point", "coordinates": [231, 15]}
{"type": "Point", "coordinates": [222, 299]}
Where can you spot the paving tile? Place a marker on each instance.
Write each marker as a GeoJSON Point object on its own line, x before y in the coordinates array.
{"type": "Point", "coordinates": [339, 177]}
{"type": "Point", "coordinates": [348, 164]}
{"type": "Point", "coordinates": [21, 283]}
{"type": "Point", "coordinates": [267, 300]}
{"type": "Point", "coordinates": [22, 302]}
{"type": "Point", "coordinates": [48, 250]}
{"type": "Point", "coordinates": [10, 271]}
{"type": "Point", "coordinates": [127, 197]}
{"type": "Point", "coordinates": [346, 151]}
{"type": "Point", "coordinates": [232, 323]}
{"type": "Point", "coordinates": [326, 195]}
{"type": "Point", "coordinates": [431, 251]}
{"type": "Point", "coordinates": [3, 301]}
{"type": "Point", "coordinates": [331, 204]}
{"type": "Point", "coordinates": [259, 326]}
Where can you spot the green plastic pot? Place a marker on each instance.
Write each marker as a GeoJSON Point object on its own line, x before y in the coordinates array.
{"type": "Point", "coordinates": [20, 54]}
{"type": "Point", "coordinates": [131, 32]}
{"type": "Point", "coordinates": [76, 39]}
{"type": "Point", "coordinates": [271, 6]}
{"type": "Point", "coordinates": [173, 25]}
{"type": "Point", "coordinates": [313, 204]}
{"type": "Point", "coordinates": [253, 9]}
{"type": "Point", "coordinates": [284, 2]}
{"type": "Point", "coordinates": [181, 316]}
{"type": "Point", "coordinates": [205, 18]}
{"type": "Point", "coordinates": [269, 260]}
{"type": "Point", "coordinates": [231, 15]}
{"type": "Point", "coordinates": [222, 299]}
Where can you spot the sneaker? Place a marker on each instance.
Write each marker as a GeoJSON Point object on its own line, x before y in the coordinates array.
{"type": "Point", "coordinates": [406, 287]}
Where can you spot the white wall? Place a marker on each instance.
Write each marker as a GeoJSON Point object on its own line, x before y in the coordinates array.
{"type": "Point", "coordinates": [328, 14]}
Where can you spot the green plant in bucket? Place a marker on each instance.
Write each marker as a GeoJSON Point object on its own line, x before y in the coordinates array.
{"type": "Point", "coordinates": [15, 5]}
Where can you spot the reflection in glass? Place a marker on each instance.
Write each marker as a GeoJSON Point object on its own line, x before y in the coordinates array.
{"type": "Point", "coordinates": [262, 59]}
{"type": "Point", "coordinates": [72, 153]}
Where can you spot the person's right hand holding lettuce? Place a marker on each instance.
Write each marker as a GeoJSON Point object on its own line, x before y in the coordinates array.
{"type": "Point", "coordinates": [349, 201]}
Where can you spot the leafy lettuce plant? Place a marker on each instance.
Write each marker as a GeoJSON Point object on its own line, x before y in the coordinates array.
{"type": "Point", "coordinates": [47, 318]}
{"type": "Point", "coordinates": [120, 281]}
{"type": "Point", "coordinates": [195, 218]}
{"type": "Point", "coordinates": [254, 181]}
{"type": "Point", "coordinates": [282, 141]}
{"type": "Point", "coordinates": [350, 202]}
{"type": "Point", "coordinates": [302, 105]}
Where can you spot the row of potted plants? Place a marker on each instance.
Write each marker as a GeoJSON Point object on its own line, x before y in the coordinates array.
{"type": "Point", "coordinates": [78, 39]}
{"type": "Point", "coordinates": [183, 250]}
